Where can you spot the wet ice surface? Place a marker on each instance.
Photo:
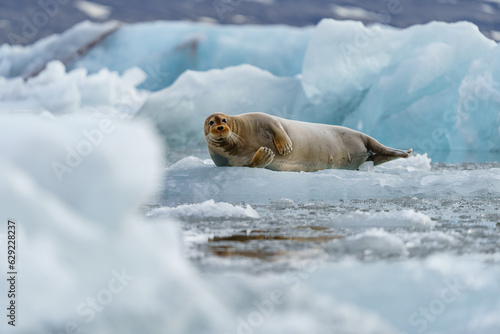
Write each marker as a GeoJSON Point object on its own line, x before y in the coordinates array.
{"type": "Point", "coordinates": [286, 232]}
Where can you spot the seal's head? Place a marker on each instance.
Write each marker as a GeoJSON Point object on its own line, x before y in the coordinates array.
{"type": "Point", "coordinates": [218, 130]}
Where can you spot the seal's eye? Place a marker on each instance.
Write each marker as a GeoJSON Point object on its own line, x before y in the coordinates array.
{"type": "Point", "coordinates": [224, 120]}
{"type": "Point", "coordinates": [211, 123]}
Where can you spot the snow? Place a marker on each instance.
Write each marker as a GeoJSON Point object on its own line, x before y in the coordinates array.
{"type": "Point", "coordinates": [207, 209]}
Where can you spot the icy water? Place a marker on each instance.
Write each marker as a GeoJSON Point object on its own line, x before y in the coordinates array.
{"type": "Point", "coordinates": [407, 247]}
{"type": "Point", "coordinates": [276, 234]}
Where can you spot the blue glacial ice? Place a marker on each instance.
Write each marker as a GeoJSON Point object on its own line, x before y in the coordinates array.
{"type": "Point", "coordinates": [164, 50]}
{"type": "Point", "coordinates": [24, 61]}
{"type": "Point", "coordinates": [422, 87]}
{"type": "Point", "coordinates": [433, 87]}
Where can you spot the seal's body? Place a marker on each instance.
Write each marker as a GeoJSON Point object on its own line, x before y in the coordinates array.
{"type": "Point", "coordinates": [265, 141]}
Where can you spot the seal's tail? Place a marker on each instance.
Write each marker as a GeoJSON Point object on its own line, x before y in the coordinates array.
{"type": "Point", "coordinates": [380, 153]}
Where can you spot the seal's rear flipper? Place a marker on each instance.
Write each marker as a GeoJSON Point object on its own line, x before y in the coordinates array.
{"type": "Point", "coordinates": [381, 158]}
{"type": "Point", "coordinates": [381, 153]}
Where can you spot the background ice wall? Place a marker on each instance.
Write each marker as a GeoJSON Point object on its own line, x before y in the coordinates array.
{"type": "Point", "coordinates": [432, 87]}
{"type": "Point", "coordinates": [164, 50]}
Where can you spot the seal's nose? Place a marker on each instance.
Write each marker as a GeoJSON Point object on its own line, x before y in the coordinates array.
{"type": "Point", "coordinates": [220, 128]}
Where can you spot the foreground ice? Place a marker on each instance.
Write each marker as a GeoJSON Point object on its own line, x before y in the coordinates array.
{"type": "Point", "coordinates": [97, 266]}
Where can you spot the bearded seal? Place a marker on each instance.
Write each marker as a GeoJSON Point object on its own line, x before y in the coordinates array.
{"type": "Point", "coordinates": [264, 141]}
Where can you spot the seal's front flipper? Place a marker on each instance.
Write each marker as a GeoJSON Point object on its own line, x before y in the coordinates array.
{"type": "Point", "coordinates": [281, 140]}
{"type": "Point", "coordinates": [263, 157]}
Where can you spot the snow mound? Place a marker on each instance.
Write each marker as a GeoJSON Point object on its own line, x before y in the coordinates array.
{"type": "Point", "coordinates": [207, 209]}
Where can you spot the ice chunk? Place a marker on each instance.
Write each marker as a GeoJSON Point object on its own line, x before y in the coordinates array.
{"type": "Point", "coordinates": [97, 265]}
{"type": "Point", "coordinates": [93, 10]}
{"type": "Point", "coordinates": [207, 209]}
{"type": "Point", "coordinates": [478, 117]}
{"type": "Point", "coordinates": [24, 61]}
{"type": "Point", "coordinates": [181, 109]}
{"type": "Point", "coordinates": [164, 50]}
{"type": "Point", "coordinates": [80, 162]}
{"type": "Point", "coordinates": [367, 166]}
{"type": "Point", "coordinates": [375, 242]}
{"type": "Point", "coordinates": [82, 239]}
{"type": "Point", "coordinates": [198, 182]}
{"type": "Point", "coordinates": [403, 218]}
{"type": "Point", "coordinates": [431, 240]}
{"type": "Point", "coordinates": [407, 88]}
{"type": "Point", "coordinates": [417, 89]}
{"type": "Point", "coordinates": [59, 92]}
{"type": "Point", "coordinates": [425, 284]}
{"type": "Point", "coordinates": [414, 162]}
